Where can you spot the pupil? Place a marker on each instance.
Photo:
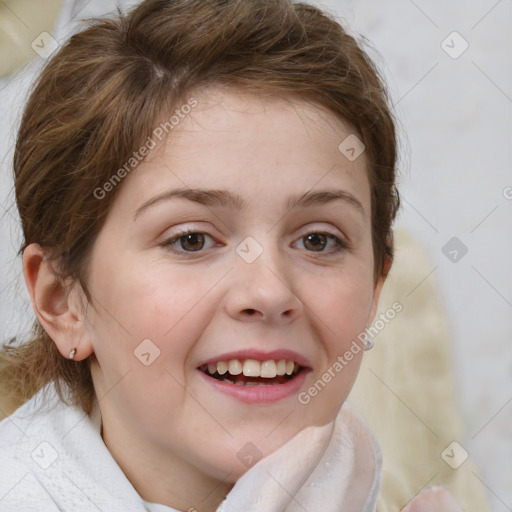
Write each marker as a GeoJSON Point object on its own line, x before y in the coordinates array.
{"type": "Point", "coordinates": [315, 241]}
{"type": "Point", "coordinates": [192, 241]}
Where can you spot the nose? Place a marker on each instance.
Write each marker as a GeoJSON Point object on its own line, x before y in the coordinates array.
{"type": "Point", "coordinates": [263, 291]}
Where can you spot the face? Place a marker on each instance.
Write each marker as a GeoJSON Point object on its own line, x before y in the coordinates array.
{"type": "Point", "coordinates": [242, 246]}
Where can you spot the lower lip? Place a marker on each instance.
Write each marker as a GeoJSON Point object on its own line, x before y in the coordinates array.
{"type": "Point", "coordinates": [268, 393]}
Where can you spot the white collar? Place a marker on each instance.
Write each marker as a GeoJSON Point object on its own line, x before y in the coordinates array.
{"type": "Point", "coordinates": [337, 465]}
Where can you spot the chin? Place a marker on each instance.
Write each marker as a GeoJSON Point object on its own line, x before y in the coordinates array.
{"type": "Point", "coordinates": [230, 461]}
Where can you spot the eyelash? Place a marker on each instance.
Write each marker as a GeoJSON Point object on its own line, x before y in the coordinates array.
{"type": "Point", "coordinates": [341, 245]}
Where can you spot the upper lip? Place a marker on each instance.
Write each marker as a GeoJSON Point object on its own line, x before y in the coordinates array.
{"type": "Point", "coordinates": [259, 355]}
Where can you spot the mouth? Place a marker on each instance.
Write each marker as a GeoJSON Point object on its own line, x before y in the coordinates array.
{"type": "Point", "coordinates": [253, 373]}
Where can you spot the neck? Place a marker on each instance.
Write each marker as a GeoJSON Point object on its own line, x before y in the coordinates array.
{"type": "Point", "coordinates": [167, 483]}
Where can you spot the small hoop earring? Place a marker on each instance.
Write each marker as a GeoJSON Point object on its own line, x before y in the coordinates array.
{"type": "Point", "coordinates": [368, 342]}
{"type": "Point", "coordinates": [72, 353]}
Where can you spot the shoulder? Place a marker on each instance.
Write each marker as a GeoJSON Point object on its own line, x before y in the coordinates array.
{"type": "Point", "coordinates": [20, 489]}
{"type": "Point", "coordinates": [23, 457]}
{"type": "Point", "coordinates": [54, 459]}
{"type": "Point", "coordinates": [31, 418]}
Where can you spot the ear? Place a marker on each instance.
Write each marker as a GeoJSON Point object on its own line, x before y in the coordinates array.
{"type": "Point", "coordinates": [59, 309]}
{"type": "Point", "coordinates": [378, 288]}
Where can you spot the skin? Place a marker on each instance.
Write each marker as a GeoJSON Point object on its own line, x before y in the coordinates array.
{"type": "Point", "coordinates": [164, 419]}
{"type": "Point", "coordinates": [435, 499]}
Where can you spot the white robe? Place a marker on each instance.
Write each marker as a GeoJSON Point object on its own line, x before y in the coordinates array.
{"type": "Point", "coordinates": [57, 461]}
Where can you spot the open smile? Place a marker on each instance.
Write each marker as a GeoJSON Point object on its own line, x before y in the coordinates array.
{"type": "Point", "coordinates": [256, 379]}
{"type": "Point", "coordinates": [251, 372]}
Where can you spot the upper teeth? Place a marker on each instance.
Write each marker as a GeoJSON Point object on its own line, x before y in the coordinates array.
{"type": "Point", "coordinates": [253, 368]}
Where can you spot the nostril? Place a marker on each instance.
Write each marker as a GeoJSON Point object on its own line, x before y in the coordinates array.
{"type": "Point", "coordinates": [250, 311]}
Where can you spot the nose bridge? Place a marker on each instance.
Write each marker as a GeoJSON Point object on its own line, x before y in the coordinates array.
{"type": "Point", "coordinates": [262, 287]}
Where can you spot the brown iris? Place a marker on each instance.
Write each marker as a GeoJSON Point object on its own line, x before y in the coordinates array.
{"type": "Point", "coordinates": [192, 241]}
{"type": "Point", "coordinates": [315, 241]}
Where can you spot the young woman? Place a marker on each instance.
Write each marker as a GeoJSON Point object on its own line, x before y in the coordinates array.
{"type": "Point", "coordinates": [206, 190]}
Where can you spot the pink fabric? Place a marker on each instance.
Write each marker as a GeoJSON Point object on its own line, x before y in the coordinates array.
{"type": "Point", "coordinates": [337, 465]}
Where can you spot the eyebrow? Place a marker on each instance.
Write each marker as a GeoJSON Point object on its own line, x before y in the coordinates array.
{"type": "Point", "coordinates": [227, 199]}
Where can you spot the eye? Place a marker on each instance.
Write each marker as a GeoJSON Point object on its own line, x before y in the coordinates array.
{"type": "Point", "coordinates": [188, 241]}
{"type": "Point", "coordinates": [317, 242]}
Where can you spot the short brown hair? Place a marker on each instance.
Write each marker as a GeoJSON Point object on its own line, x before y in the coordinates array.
{"type": "Point", "coordinates": [104, 91]}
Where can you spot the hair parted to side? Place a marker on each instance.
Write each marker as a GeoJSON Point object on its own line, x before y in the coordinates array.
{"type": "Point", "coordinates": [101, 95]}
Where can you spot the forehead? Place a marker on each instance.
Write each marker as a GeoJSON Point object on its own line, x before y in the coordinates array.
{"type": "Point", "coordinates": [263, 147]}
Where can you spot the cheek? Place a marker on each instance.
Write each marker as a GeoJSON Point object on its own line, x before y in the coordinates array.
{"type": "Point", "coordinates": [343, 303]}
{"type": "Point", "coordinates": [138, 296]}
{"type": "Point", "coordinates": [341, 306]}
{"type": "Point", "coordinates": [168, 302]}
{"type": "Point", "coordinates": [146, 300]}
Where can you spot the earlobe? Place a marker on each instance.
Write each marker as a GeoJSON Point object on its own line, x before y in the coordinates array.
{"type": "Point", "coordinates": [59, 309]}
{"type": "Point", "coordinates": [375, 300]}
{"type": "Point", "coordinates": [377, 289]}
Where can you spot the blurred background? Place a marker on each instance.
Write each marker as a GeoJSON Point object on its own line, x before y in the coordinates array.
{"type": "Point", "coordinates": [449, 69]}
{"type": "Point", "coordinates": [449, 65]}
